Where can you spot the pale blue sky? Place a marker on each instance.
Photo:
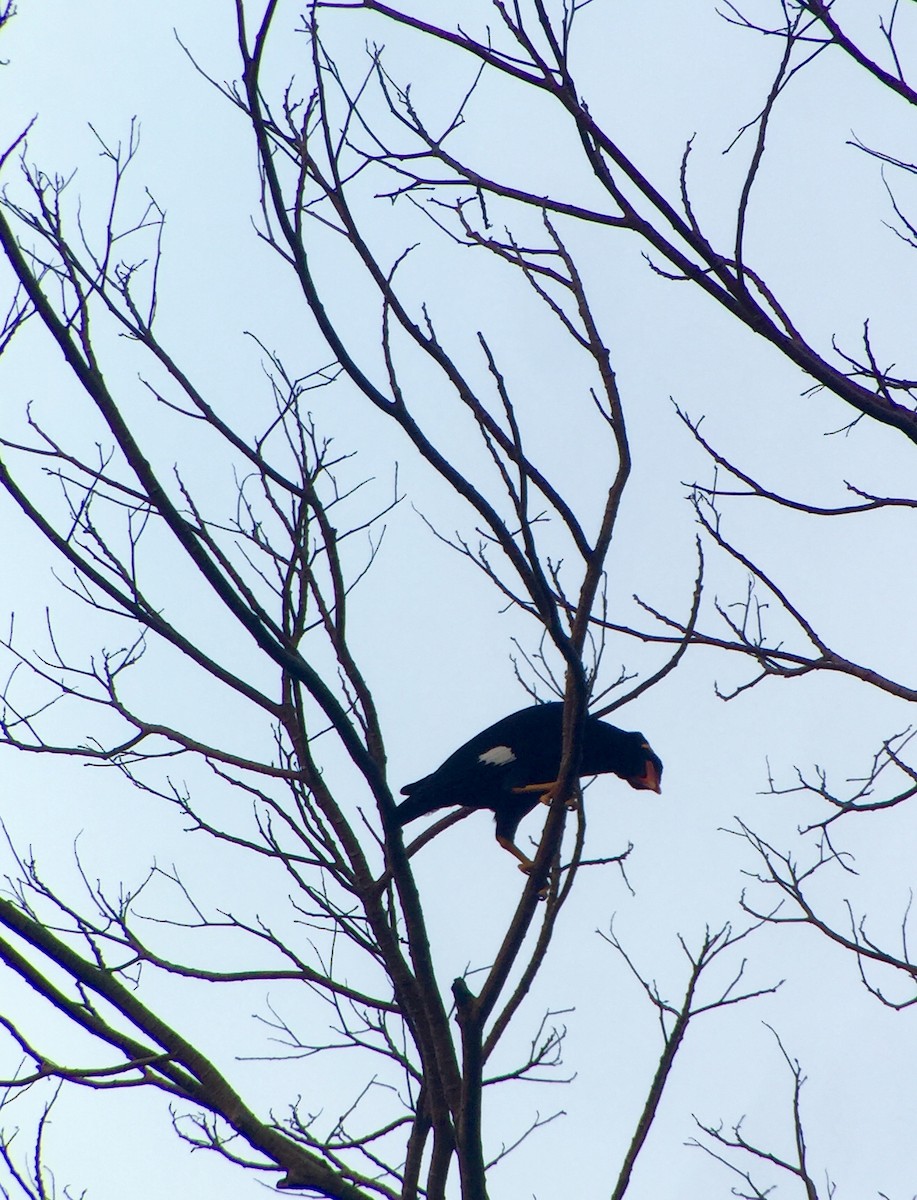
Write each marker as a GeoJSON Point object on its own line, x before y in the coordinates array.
{"type": "Point", "coordinates": [436, 648]}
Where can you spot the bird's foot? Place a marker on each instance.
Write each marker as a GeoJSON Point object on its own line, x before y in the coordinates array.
{"type": "Point", "coordinates": [526, 869]}
{"type": "Point", "coordinates": [571, 804]}
{"type": "Point", "coordinates": [546, 793]}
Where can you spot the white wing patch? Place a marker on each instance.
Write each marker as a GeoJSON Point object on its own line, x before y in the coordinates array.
{"type": "Point", "coordinates": [498, 756]}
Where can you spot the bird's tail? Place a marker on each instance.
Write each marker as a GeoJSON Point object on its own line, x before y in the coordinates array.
{"type": "Point", "coordinates": [411, 808]}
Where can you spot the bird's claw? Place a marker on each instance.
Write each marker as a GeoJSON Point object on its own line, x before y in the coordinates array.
{"type": "Point", "coordinates": [526, 869]}
{"type": "Point", "coordinates": [571, 804]}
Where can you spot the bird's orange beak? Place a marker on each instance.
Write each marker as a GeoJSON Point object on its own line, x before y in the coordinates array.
{"type": "Point", "coordinates": [648, 781]}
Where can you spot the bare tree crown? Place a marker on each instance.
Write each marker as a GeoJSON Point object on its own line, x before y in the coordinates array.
{"type": "Point", "coordinates": [221, 550]}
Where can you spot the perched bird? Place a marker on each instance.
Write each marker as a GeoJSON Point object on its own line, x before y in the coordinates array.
{"type": "Point", "coordinates": [513, 764]}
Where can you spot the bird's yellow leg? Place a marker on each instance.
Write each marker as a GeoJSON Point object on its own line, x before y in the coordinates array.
{"type": "Point", "coordinates": [525, 864]}
{"type": "Point", "coordinates": [547, 792]}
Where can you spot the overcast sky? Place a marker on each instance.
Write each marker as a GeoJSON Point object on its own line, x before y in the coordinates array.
{"type": "Point", "coordinates": [436, 646]}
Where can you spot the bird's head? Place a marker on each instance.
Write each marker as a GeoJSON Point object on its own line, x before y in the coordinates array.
{"type": "Point", "coordinates": [609, 750]}
{"type": "Point", "coordinates": [633, 760]}
{"type": "Point", "coordinates": [649, 777]}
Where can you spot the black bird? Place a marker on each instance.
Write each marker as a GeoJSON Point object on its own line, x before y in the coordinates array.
{"type": "Point", "coordinates": [513, 764]}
